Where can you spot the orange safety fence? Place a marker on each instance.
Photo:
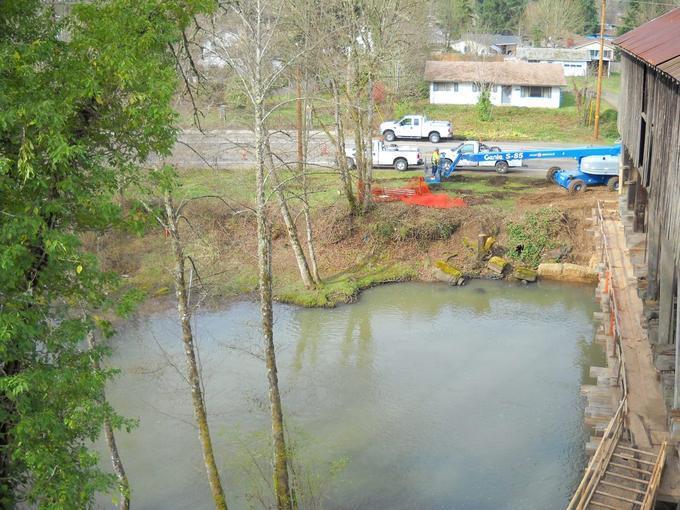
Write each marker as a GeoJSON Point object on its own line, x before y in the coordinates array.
{"type": "Point", "coordinates": [417, 192]}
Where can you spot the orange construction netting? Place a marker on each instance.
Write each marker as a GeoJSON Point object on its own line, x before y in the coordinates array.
{"type": "Point", "coordinates": [417, 192]}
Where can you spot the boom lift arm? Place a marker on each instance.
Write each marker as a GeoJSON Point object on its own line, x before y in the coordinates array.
{"type": "Point", "coordinates": [577, 153]}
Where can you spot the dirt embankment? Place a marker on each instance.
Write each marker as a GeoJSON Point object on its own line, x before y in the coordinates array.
{"type": "Point", "coordinates": [392, 242]}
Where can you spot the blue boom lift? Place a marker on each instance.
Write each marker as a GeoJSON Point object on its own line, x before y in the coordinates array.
{"type": "Point", "coordinates": [588, 172]}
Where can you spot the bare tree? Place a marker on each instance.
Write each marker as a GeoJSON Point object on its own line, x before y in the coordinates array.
{"type": "Point", "coordinates": [116, 461]}
{"type": "Point", "coordinates": [170, 223]}
{"type": "Point", "coordinates": [548, 21]}
{"type": "Point", "coordinates": [251, 57]}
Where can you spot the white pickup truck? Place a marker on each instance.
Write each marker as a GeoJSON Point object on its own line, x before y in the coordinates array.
{"type": "Point", "coordinates": [473, 147]}
{"type": "Point", "coordinates": [416, 126]}
{"type": "Point", "coordinates": [389, 155]}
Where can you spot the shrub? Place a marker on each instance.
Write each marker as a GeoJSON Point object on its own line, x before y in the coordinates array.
{"type": "Point", "coordinates": [484, 105]}
{"type": "Point", "coordinates": [529, 238]}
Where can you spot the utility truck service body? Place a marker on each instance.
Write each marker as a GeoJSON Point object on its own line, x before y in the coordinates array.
{"type": "Point", "coordinates": [470, 147]}
{"type": "Point", "coordinates": [384, 154]}
{"type": "Point", "coordinates": [416, 126]}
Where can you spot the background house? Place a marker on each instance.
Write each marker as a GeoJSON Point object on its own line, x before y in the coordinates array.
{"type": "Point", "coordinates": [649, 123]}
{"type": "Point", "coordinates": [592, 49]}
{"type": "Point", "coordinates": [511, 83]}
{"type": "Point", "coordinates": [573, 62]}
{"type": "Point", "coordinates": [487, 44]}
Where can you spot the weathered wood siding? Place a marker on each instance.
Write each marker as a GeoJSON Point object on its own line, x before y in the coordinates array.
{"type": "Point", "coordinates": [651, 99]}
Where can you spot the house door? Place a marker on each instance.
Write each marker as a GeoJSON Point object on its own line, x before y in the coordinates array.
{"type": "Point", "coordinates": [506, 92]}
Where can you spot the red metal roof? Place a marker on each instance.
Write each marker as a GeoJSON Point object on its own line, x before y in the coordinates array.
{"type": "Point", "coordinates": [656, 42]}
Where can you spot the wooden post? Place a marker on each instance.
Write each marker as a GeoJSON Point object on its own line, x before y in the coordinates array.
{"type": "Point", "coordinates": [481, 241]}
{"type": "Point", "coordinates": [600, 65]}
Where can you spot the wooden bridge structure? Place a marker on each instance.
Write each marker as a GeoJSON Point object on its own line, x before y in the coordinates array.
{"type": "Point", "coordinates": [621, 474]}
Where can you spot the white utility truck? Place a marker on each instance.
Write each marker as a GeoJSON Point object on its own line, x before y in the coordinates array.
{"type": "Point", "coordinates": [416, 126]}
{"type": "Point", "coordinates": [384, 154]}
{"type": "Point", "coordinates": [474, 147]}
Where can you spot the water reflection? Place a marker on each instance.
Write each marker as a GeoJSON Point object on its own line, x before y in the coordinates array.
{"type": "Point", "coordinates": [438, 397]}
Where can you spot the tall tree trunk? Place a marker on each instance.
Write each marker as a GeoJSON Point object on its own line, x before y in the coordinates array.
{"type": "Point", "coordinates": [345, 176]}
{"type": "Point", "coordinates": [291, 228]}
{"type": "Point", "coordinates": [116, 461]}
{"type": "Point", "coordinates": [368, 140]}
{"type": "Point", "coordinates": [311, 251]}
{"type": "Point", "coordinates": [193, 376]}
{"type": "Point", "coordinates": [298, 116]}
{"type": "Point", "coordinates": [264, 247]}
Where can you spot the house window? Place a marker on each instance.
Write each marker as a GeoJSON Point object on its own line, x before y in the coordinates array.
{"type": "Point", "coordinates": [439, 86]}
{"type": "Point", "coordinates": [475, 87]}
{"type": "Point", "coordinates": [594, 54]}
{"type": "Point", "coordinates": [608, 54]}
{"type": "Point", "coordinates": [545, 92]}
{"type": "Point", "coordinates": [495, 88]}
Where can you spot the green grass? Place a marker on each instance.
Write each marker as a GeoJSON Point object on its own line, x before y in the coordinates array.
{"type": "Point", "coordinates": [346, 286]}
{"type": "Point", "coordinates": [507, 122]}
{"type": "Point", "coordinates": [610, 83]}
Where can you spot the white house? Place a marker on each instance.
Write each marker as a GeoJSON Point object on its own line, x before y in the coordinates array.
{"type": "Point", "coordinates": [486, 44]}
{"type": "Point", "coordinates": [573, 62]}
{"type": "Point", "coordinates": [511, 83]}
{"type": "Point", "coordinates": [592, 49]}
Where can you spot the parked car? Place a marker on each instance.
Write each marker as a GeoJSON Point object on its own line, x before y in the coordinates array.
{"type": "Point", "coordinates": [384, 154]}
{"type": "Point", "coordinates": [416, 126]}
{"type": "Point", "coordinates": [474, 147]}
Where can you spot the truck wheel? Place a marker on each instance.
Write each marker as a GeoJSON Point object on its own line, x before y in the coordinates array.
{"type": "Point", "coordinates": [613, 184]}
{"type": "Point", "coordinates": [351, 164]}
{"type": "Point", "coordinates": [389, 136]}
{"type": "Point", "coordinates": [577, 186]}
{"type": "Point", "coordinates": [434, 137]}
{"type": "Point", "coordinates": [550, 174]}
{"type": "Point", "coordinates": [502, 167]}
{"type": "Point", "coordinates": [446, 162]}
{"type": "Point", "coordinates": [401, 164]}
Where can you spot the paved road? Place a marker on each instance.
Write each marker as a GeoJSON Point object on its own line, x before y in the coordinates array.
{"type": "Point", "coordinates": [230, 148]}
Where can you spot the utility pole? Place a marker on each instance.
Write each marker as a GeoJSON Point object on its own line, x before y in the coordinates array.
{"type": "Point", "coordinates": [600, 65]}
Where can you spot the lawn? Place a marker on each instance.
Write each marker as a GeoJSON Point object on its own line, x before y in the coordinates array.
{"type": "Point", "coordinates": [507, 122]}
{"type": "Point", "coordinates": [513, 123]}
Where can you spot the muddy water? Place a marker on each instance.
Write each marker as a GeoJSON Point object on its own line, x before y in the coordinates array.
{"type": "Point", "coordinates": [416, 397]}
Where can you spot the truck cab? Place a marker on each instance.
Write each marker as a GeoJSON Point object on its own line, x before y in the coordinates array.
{"type": "Point", "coordinates": [416, 126]}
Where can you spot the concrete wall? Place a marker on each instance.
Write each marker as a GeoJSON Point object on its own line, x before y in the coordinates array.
{"type": "Point", "coordinates": [467, 95]}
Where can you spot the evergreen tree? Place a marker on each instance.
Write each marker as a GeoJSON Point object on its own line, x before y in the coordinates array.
{"type": "Point", "coordinates": [83, 100]}
{"type": "Point", "coordinates": [638, 12]}
{"type": "Point", "coordinates": [591, 21]}
{"type": "Point", "coordinates": [455, 17]}
{"type": "Point", "coordinates": [500, 16]}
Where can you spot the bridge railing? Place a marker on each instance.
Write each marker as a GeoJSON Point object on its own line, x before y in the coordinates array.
{"type": "Point", "coordinates": [598, 463]}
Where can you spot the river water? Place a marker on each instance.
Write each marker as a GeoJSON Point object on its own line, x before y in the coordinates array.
{"type": "Point", "coordinates": [419, 396]}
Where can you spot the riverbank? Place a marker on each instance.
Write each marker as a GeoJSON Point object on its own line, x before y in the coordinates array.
{"type": "Point", "coordinates": [529, 219]}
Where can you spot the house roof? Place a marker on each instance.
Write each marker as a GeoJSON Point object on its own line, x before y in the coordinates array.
{"type": "Point", "coordinates": [499, 73]}
{"type": "Point", "coordinates": [657, 42]}
{"type": "Point", "coordinates": [560, 54]}
{"type": "Point", "coordinates": [492, 39]}
{"type": "Point", "coordinates": [582, 42]}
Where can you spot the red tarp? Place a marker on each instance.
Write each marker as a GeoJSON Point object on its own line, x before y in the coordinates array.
{"type": "Point", "coordinates": [416, 192]}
